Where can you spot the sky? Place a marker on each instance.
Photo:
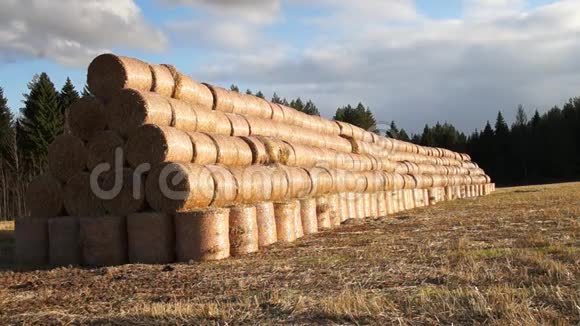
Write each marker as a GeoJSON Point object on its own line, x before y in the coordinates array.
{"type": "Point", "coordinates": [414, 62]}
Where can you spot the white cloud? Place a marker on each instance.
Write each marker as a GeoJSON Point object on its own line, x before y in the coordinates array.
{"type": "Point", "coordinates": [72, 31]}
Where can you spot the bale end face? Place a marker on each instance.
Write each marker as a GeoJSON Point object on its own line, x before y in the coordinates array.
{"type": "Point", "coordinates": [151, 238]}
{"type": "Point", "coordinates": [202, 235]}
{"type": "Point", "coordinates": [108, 73]}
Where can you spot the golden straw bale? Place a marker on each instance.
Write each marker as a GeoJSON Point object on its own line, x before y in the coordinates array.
{"type": "Point", "coordinates": [254, 184]}
{"type": "Point", "coordinates": [173, 187]}
{"type": "Point", "coordinates": [184, 116]}
{"type": "Point", "coordinates": [223, 100]}
{"type": "Point", "coordinates": [398, 181]}
{"type": "Point", "coordinates": [244, 236]}
{"type": "Point", "coordinates": [86, 116]}
{"type": "Point", "coordinates": [409, 181]}
{"type": "Point", "coordinates": [267, 234]}
{"type": "Point", "coordinates": [265, 108]}
{"type": "Point", "coordinates": [44, 196]}
{"type": "Point", "coordinates": [192, 92]}
{"type": "Point", "coordinates": [239, 103]}
{"type": "Point", "coordinates": [285, 214]}
{"type": "Point", "coordinates": [278, 151]}
{"type": "Point", "coordinates": [162, 80]}
{"type": "Point", "coordinates": [217, 122]}
{"type": "Point", "coordinates": [277, 113]}
{"type": "Point", "coordinates": [227, 150]}
{"type": "Point", "coordinates": [240, 126]}
{"type": "Point", "coordinates": [245, 154]}
{"type": "Point", "coordinates": [64, 241]}
{"type": "Point", "coordinates": [345, 129]}
{"type": "Point", "coordinates": [102, 148]}
{"type": "Point", "coordinates": [298, 228]}
{"type": "Point", "coordinates": [108, 73]}
{"type": "Point", "coordinates": [131, 192]}
{"type": "Point", "coordinates": [309, 216]}
{"type": "Point", "coordinates": [299, 183]}
{"type": "Point", "coordinates": [259, 152]}
{"type": "Point", "coordinates": [151, 238]}
{"type": "Point", "coordinates": [103, 240]}
{"type": "Point", "coordinates": [280, 183]}
{"type": "Point", "coordinates": [226, 189]}
{"type": "Point", "coordinates": [323, 213]}
{"type": "Point", "coordinates": [204, 148]}
{"type": "Point", "coordinates": [202, 235]}
{"type": "Point", "coordinates": [67, 156]}
{"type": "Point", "coordinates": [129, 109]}
{"type": "Point", "coordinates": [155, 144]}
{"type": "Point", "coordinates": [80, 198]}
{"type": "Point", "coordinates": [321, 181]}
{"type": "Point", "coordinates": [261, 127]}
{"type": "Point", "coordinates": [31, 241]}
{"type": "Point", "coordinates": [335, 210]}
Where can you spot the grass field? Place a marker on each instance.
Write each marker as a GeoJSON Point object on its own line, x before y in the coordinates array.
{"type": "Point", "coordinates": [511, 258]}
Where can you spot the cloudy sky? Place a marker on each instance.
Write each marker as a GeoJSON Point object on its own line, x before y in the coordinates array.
{"type": "Point", "coordinates": [415, 62]}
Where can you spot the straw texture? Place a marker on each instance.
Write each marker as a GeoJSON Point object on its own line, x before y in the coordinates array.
{"type": "Point", "coordinates": [266, 219]}
{"type": "Point", "coordinates": [108, 73]}
{"type": "Point", "coordinates": [244, 235]}
{"type": "Point", "coordinates": [64, 241]}
{"type": "Point", "coordinates": [103, 240]}
{"type": "Point", "coordinates": [44, 196]}
{"type": "Point", "coordinates": [86, 117]}
{"type": "Point", "coordinates": [67, 156]}
{"type": "Point", "coordinates": [151, 238]}
{"type": "Point", "coordinates": [202, 235]}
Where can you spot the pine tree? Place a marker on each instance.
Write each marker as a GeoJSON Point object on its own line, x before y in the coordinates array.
{"type": "Point", "coordinates": [310, 108]}
{"type": "Point", "coordinates": [86, 92]}
{"type": "Point", "coordinates": [393, 131]}
{"type": "Point", "coordinates": [260, 94]}
{"type": "Point", "coordinates": [501, 127]}
{"type": "Point", "coordinates": [276, 99]}
{"type": "Point", "coordinates": [67, 95]}
{"type": "Point", "coordinates": [404, 136]}
{"type": "Point", "coordinates": [234, 88]}
{"type": "Point", "coordinates": [249, 92]}
{"type": "Point", "coordinates": [7, 134]}
{"type": "Point", "coordinates": [297, 104]}
{"type": "Point", "coordinates": [40, 122]}
{"type": "Point", "coordinates": [359, 116]}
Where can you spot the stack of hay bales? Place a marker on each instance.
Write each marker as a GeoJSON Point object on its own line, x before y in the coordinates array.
{"type": "Point", "coordinates": [159, 168]}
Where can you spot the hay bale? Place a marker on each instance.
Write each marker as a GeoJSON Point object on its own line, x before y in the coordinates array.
{"type": "Point", "coordinates": [277, 113]}
{"type": "Point", "coordinates": [184, 116]}
{"type": "Point", "coordinates": [298, 221]}
{"type": "Point", "coordinates": [155, 144]}
{"type": "Point", "coordinates": [127, 192]}
{"type": "Point", "coordinates": [261, 127]}
{"type": "Point", "coordinates": [244, 235]}
{"type": "Point", "coordinates": [382, 204]}
{"type": "Point", "coordinates": [245, 154]}
{"type": "Point", "coordinates": [162, 80]}
{"type": "Point", "coordinates": [239, 124]}
{"type": "Point", "coordinates": [278, 151]}
{"type": "Point", "coordinates": [285, 214]}
{"type": "Point", "coordinates": [44, 196]}
{"type": "Point", "coordinates": [323, 213]}
{"type": "Point", "coordinates": [299, 183]}
{"type": "Point", "coordinates": [221, 123]}
{"type": "Point", "coordinates": [173, 187]}
{"type": "Point", "coordinates": [367, 205]}
{"type": "Point", "coordinates": [86, 117]}
{"type": "Point", "coordinates": [202, 235]}
{"type": "Point", "coordinates": [192, 92]}
{"type": "Point", "coordinates": [102, 148]}
{"type": "Point", "coordinates": [309, 216]}
{"type": "Point", "coordinates": [129, 109]}
{"type": "Point", "coordinates": [359, 203]}
{"type": "Point", "coordinates": [204, 148]}
{"type": "Point", "coordinates": [103, 240]}
{"type": "Point", "coordinates": [31, 241]}
{"type": "Point", "coordinates": [335, 210]}
{"type": "Point", "coordinates": [108, 73]}
{"type": "Point", "coordinates": [227, 150]}
{"type": "Point", "coordinates": [266, 220]}
{"type": "Point", "coordinates": [303, 156]}
{"type": "Point", "coordinates": [254, 184]}
{"type": "Point", "coordinates": [226, 189]}
{"type": "Point", "coordinates": [374, 205]}
{"type": "Point", "coordinates": [80, 199]}
{"type": "Point", "coordinates": [64, 241]}
{"type": "Point", "coordinates": [151, 238]}
{"type": "Point", "coordinates": [67, 156]}
{"type": "Point", "coordinates": [321, 179]}
{"type": "Point", "coordinates": [223, 100]}
{"type": "Point", "coordinates": [280, 183]}
{"type": "Point", "coordinates": [259, 152]}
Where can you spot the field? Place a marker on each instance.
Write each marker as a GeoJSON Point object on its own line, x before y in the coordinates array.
{"type": "Point", "coordinates": [509, 258]}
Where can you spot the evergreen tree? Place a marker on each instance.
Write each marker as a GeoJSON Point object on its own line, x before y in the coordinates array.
{"type": "Point", "coordinates": [404, 136]}
{"type": "Point", "coordinates": [393, 131]}
{"type": "Point", "coordinates": [40, 122]}
{"type": "Point", "coordinates": [260, 94]}
{"type": "Point", "coordinates": [521, 117]}
{"type": "Point", "coordinates": [249, 92]}
{"type": "Point", "coordinates": [7, 134]}
{"type": "Point", "coordinates": [501, 127]}
{"type": "Point", "coordinates": [297, 104]}
{"type": "Point", "coordinates": [86, 92]}
{"type": "Point", "coordinates": [67, 96]}
{"type": "Point", "coordinates": [310, 108]}
{"type": "Point", "coordinates": [359, 116]}
{"type": "Point", "coordinates": [276, 99]}
{"type": "Point", "coordinates": [234, 88]}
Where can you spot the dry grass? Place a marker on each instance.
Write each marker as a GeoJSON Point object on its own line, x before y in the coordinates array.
{"type": "Point", "coordinates": [510, 258]}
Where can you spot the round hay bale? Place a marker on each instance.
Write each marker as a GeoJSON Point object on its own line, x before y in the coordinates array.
{"type": "Point", "coordinates": [267, 234]}
{"type": "Point", "coordinates": [204, 148]}
{"type": "Point", "coordinates": [259, 152]}
{"type": "Point", "coordinates": [254, 184]}
{"type": "Point", "coordinates": [155, 144]}
{"type": "Point", "coordinates": [67, 156]}
{"type": "Point", "coordinates": [351, 205]}
{"type": "Point", "coordinates": [227, 150]}
{"type": "Point", "coordinates": [151, 238]}
{"type": "Point", "coordinates": [261, 127]}
{"type": "Point", "coordinates": [202, 235]}
{"type": "Point", "coordinates": [44, 196]}
{"type": "Point", "coordinates": [321, 180]}
{"type": "Point", "coordinates": [335, 213]}
{"type": "Point", "coordinates": [239, 103]}
{"type": "Point", "coordinates": [226, 189]}
{"type": "Point", "coordinates": [31, 241]}
{"type": "Point", "coordinates": [374, 205]}
{"type": "Point", "coordinates": [184, 116]}
{"type": "Point", "coordinates": [103, 240]}
{"type": "Point", "coordinates": [410, 182]}
{"type": "Point", "coordinates": [244, 235]}
{"type": "Point", "coordinates": [86, 117]}
{"type": "Point", "coordinates": [131, 192]}
{"type": "Point", "coordinates": [303, 156]}
{"type": "Point", "coordinates": [278, 151]}
{"type": "Point", "coordinates": [280, 183]}
{"type": "Point", "coordinates": [102, 148]}
{"type": "Point", "coordinates": [298, 221]}
{"type": "Point", "coordinates": [299, 182]}
{"type": "Point", "coordinates": [162, 80]}
{"type": "Point", "coordinates": [192, 92]}
{"type": "Point", "coordinates": [223, 100]}
{"type": "Point", "coordinates": [79, 197]}
{"type": "Point", "coordinates": [367, 205]}
{"type": "Point", "coordinates": [245, 154]}
{"type": "Point", "coordinates": [285, 214]}
{"type": "Point", "coordinates": [398, 181]}
{"type": "Point", "coordinates": [240, 126]}
{"type": "Point", "coordinates": [382, 204]}
{"type": "Point", "coordinates": [359, 203]}
{"type": "Point", "coordinates": [64, 241]}
{"type": "Point", "coordinates": [277, 113]}
{"type": "Point", "coordinates": [265, 111]}
{"type": "Point", "coordinates": [309, 216]}
{"type": "Point", "coordinates": [343, 205]}
{"type": "Point", "coordinates": [129, 109]}
{"type": "Point", "coordinates": [212, 122]}
{"type": "Point", "coordinates": [323, 213]}
{"type": "Point", "coordinates": [345, 129]}
{"type": "Point", "coordinates": [173, 187]}
{"type": "Point", "coordinates": [108, 73]}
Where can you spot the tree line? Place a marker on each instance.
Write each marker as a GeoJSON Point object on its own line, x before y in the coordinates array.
{"type": "Point", "coordinates": [541, 149]}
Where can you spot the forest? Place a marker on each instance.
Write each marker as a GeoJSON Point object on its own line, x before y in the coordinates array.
{"type": "Point", "coordinates": [541, 149]}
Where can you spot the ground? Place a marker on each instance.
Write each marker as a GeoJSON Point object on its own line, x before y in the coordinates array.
{"type": "Point", "coordinates": [509, 258]}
